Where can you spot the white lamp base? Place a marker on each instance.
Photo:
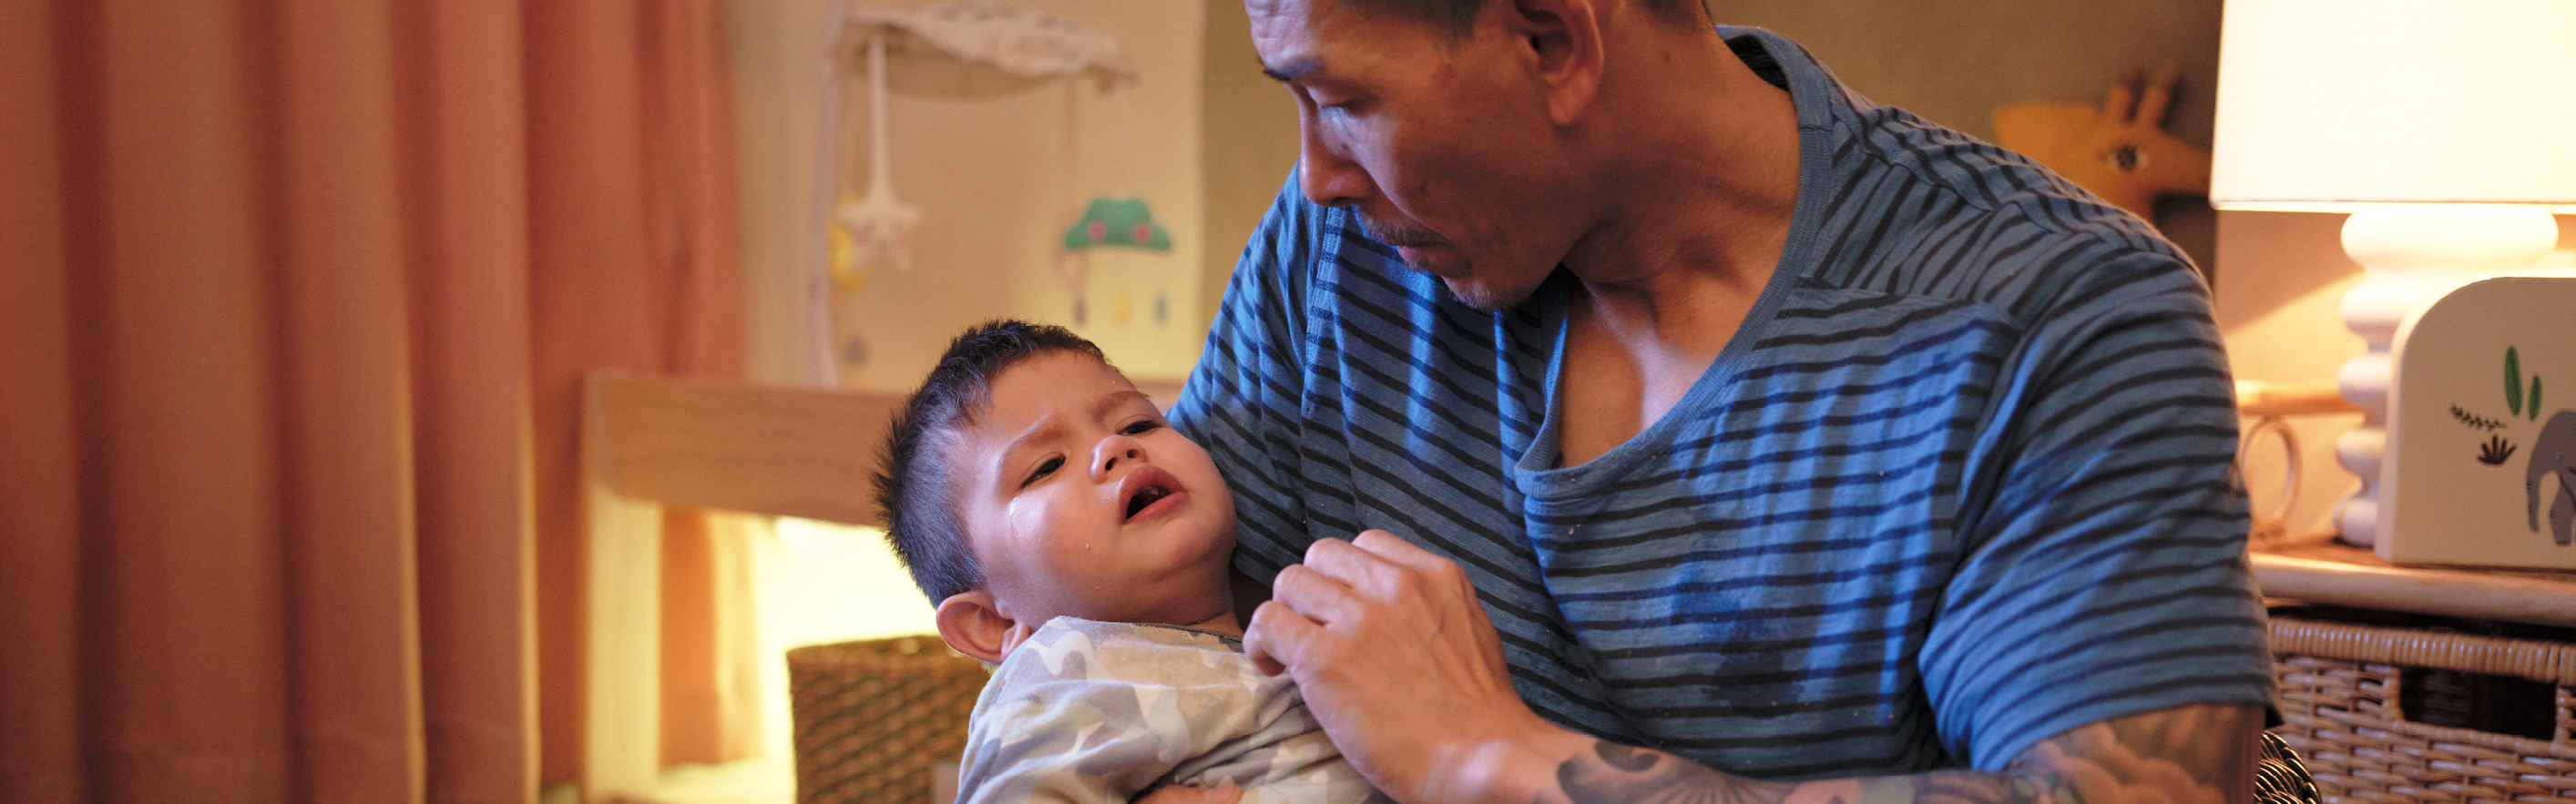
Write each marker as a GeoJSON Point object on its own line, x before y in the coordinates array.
{"type": "Point", "coordinates": [2413, 255]}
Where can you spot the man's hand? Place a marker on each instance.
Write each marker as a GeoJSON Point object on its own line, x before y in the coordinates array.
{"type": "Point", "coordinates": [1396, 659]}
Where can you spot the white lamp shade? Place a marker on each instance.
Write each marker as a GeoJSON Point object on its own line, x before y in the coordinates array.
{"type": "Point", "coordinates": [2325, 105]}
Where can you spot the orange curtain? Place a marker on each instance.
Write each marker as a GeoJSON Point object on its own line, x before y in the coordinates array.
{"type": "Point", "coordinates": [295, 296]}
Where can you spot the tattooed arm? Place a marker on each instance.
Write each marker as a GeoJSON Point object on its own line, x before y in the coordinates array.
{"type": "Point", "coordinates": [2194, 754]}
{"type": "Point", "coordinates": [1438, 721]}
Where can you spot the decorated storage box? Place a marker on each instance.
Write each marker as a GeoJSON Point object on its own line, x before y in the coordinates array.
{"type": "Point", "coordinates": [2480, 467]}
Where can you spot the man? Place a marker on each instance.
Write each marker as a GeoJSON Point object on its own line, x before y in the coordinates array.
{"type": "Point", "coordinates": [1700, 431]}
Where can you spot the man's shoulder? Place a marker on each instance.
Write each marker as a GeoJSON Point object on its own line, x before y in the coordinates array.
{"type": "Point", "coordinates": [1972, 222]}
{"type": "Point", "coordinates": [1903, 205]}
{"type": "Point", "coordinates": [1968, 186]}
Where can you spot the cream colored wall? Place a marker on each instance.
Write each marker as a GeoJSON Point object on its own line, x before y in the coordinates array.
{"type": "Point", "coordinates": [1250, 145]}
{"type": "Point", "coordinates": [774, 49]}
{"type": "Point", "coordinates": [996, 185]}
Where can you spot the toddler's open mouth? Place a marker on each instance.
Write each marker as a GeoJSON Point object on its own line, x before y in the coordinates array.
{"type": "Point", "coordinates": [1144, 487]}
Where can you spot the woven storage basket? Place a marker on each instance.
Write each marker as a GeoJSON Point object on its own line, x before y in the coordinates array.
{"type": "Point", "coordinates": [872, 715]}
{"type": "Point", "coordinates": [2341, 686]}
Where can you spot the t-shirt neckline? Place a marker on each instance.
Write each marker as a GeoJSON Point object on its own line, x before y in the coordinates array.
{"type": "Point", "coordinates": [1538, 474]}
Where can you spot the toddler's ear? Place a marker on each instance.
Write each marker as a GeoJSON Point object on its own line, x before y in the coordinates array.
{"type": "Point", "coordinates": [973, 623]}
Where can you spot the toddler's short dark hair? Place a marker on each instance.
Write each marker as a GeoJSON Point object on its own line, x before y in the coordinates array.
{"type": "Point", "coordinates": [914, 486]}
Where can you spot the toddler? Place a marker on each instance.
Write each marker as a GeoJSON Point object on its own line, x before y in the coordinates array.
{"type": "Point", "coordinates": [1069, 535]}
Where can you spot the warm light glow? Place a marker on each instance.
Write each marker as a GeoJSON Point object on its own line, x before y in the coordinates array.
{"type": "Point", "coordinates": [2446, 127]}
{"type": "Point", "coordinates": [2413, 254]}
{"type": "Point", "coordinates": [820, 582]}
{"type": "Point", "coordinates": [2327, 105]}
{"type": "Point", "coordinates": [2463, 237]}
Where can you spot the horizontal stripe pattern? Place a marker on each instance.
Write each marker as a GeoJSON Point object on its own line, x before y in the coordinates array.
{"type": "Point", "coordinates": [1960, 484]}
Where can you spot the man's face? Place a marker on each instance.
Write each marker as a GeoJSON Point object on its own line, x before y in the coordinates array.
{"type": "Point", "coordinates": [1080, 500]}
{"type": "Point", "coordinates": [1441, 147]}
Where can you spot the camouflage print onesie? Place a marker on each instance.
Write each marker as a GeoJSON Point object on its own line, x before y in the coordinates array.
{"type": "Point", "coordinates": [1090, 711]}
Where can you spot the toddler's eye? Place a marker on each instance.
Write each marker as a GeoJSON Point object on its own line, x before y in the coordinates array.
{"type": "Point", "coordinates": [1141, 427]}
{"type": "Point", "coordinates": [1043, 470]}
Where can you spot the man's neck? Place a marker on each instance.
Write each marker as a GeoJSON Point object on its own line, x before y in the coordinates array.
{"type": "Point", "coordinates": [1700, 214]}
{"type": "Point", "coordinates": [1697, 166]}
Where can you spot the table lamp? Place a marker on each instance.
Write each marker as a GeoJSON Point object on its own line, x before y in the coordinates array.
{"type": "Point", "coordinates": [2447, 128]}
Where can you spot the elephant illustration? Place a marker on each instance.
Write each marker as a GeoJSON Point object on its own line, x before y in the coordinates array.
{"type": "Point", "coordinates": [2555, 454]}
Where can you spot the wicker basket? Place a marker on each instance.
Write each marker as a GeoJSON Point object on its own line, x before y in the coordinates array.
{"type": "Point", "coordinates": [2366, 737]}
{"type": "Point", "coordinates": [871, 716]}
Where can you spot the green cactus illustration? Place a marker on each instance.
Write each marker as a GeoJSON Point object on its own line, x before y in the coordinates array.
{"type": "Point", "coordinates": [2513, 381]}
{"type": "Point", "coordinates": [2535, 397]}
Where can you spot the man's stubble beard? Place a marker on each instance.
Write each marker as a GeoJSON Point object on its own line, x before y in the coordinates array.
{"type": "Point", "coordinates": [1476, 297]}
{"type": "Point", "coordinates": [1487, 302]}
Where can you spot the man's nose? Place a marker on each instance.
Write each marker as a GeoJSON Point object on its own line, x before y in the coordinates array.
{"type": "Point", "coordinates": [1323, 173]}
{"type": "Point", "coordinates": [1112, 451]}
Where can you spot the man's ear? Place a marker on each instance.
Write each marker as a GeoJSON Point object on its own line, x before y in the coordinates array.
{"type": "Point", "coordinates": [974, 624]}
{"type": "Point", "coordinates": [1563, 39]}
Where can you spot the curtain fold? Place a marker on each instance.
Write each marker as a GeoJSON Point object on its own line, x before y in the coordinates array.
{"type": "Point", "coordinates": [295, 296]}
{"type": "Point", "coordinates": [39, 509]}
{"type": "Point", "coordinates": [463, 129]}
{"type": "Point", "coordinates": [690, 190]}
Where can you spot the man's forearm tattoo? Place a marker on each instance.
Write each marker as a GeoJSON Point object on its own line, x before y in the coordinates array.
{"type": "Point", "coordinates": [1618, 773]}
{"type": "Point", "coordinates": [1971, 787]}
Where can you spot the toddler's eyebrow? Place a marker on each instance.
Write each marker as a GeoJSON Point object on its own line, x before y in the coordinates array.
{"type": "Point", "coordinates": [1043, 430]}
{"type": "Point", "coordinates": [1047, 428]}
{"type": "Point", "coordinates": [1113, 399]}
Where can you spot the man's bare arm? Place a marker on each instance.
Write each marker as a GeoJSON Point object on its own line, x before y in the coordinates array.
{"type": "Point", "coordinates": [2195, 754]}
{"type": "Point", "coordinates": [1456, 731]}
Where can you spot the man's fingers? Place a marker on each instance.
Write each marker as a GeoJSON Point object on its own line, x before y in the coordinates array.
{"type": "Point", "coordinates": [1276, 637]}
{"type": "Point", "coordinates": [1315, 595]}
{"type": "Point", "coordinates": [1395, 551]}
{"type": "Point", "coordinates": [1394, 548]}
{"type": "Point", "coordinates": [1373, 559]}
{"type": "Point", "coordinates": [1349, 564]}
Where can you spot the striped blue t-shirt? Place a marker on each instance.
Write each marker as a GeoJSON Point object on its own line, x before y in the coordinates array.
{"type": "Point", "coordinates": [1960, 483]}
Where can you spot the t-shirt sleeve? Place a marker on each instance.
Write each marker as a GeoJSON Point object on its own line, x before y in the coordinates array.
{"type": "Point", "coordinates": [1242, 402]}
{"type": "Point", "coordinates": [2102, 526]}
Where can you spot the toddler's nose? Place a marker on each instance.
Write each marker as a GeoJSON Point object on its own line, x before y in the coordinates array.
{"type": "Point", "coordinates": [1112, 451]}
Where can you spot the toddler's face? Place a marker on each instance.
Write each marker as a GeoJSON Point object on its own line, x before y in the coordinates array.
{"type": "Point", "coordinates": [1080, 500]}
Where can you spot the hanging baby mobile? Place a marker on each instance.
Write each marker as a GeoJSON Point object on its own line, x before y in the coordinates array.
{"type": "Point", "coordinates": [966, 48]}
{"type": "Point", "coordinates": [1116, 219]}
{"type": "Point", "coordinates": [876, 229]}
